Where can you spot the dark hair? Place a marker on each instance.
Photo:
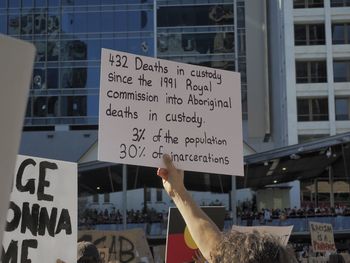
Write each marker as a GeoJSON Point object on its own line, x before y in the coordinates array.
{"type": "Point", "coordinates": [85, 259]}
{"type": "Point", "coordinates": [252, 247]}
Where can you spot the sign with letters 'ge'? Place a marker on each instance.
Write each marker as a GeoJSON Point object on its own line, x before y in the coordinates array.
{"type": "Point", "coordinates": [150, 106]}
{"type": "Point", "coordinates": [42, 216]}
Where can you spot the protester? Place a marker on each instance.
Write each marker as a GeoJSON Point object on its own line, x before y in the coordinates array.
{"type": "Point", "coordinates": [215, 246]}
{"type": "Point", "coordinates": [88, 253]}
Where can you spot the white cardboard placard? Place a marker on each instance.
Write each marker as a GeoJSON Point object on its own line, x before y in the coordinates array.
{"type": "Point", "coordinates": [16, 67]}
{"type": "Point", "coordinates": [42, 217]}
{"type": "Point", "coordinates": [322, 237]}
{"type": "Point", "coordinates": [150, 106]}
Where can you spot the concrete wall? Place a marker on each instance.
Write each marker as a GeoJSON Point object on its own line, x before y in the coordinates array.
{"type": "Point", "coordinates": [257, 72]}
{"type": "Point", "coordinates": [273, 198]}
{"type": "Point", "coordinates": [277, 73]}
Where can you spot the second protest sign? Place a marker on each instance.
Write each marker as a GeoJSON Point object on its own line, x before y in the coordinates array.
{"type": "Point", "coordinates": [42, 215]}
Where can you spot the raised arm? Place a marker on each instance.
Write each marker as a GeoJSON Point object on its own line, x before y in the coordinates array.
{"type": "Point", "coordinates": [204, 232]}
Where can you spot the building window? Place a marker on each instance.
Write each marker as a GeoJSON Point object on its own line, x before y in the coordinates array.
{"type": "Point", "coordinates": [159, 195]}
{"type": "Point", "coordinates": [341, 71]}
{"type": "Point", "coordinates": [311, 71]}
{"type": "Point", "coordinates": [310, 137]}
{"type": "Point", "coordinates": [341, 33]}
{"type": "Point", "coordinates": [95, 198]}
{"type": "Point", "coordinates": [309, 34]}
{"type": "Point", "coordinates": [197, 15]}
{"type": "Point", "coordinates": [340, 3]}
{"type": "Point", "coordinates": [312, 109]}
{"type": "Point", "coordinates": [308, 3]}
{"type": "Point", "coordinates": [342, 108]}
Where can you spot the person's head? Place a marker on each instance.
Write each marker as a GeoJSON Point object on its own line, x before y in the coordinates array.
{"type": "Point", "coordinates": [88, 253]}
{"type": "Point", "coordinates": [251, 248]}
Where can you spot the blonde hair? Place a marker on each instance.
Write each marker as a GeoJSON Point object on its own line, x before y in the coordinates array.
{"type": "Point", "coordinates": [251, 248]}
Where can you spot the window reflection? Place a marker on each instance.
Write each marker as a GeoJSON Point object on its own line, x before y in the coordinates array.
{"type": "Point", "coordinates": [311, 71]}
{"type": "Point", "coordinates": [27, 24]}
{"type": "Point", "coordinates": [92, 105]}
{"type": "Point", "coordinates": [196, 43]}
{"type": "Point", "coordinates": [340, 3]}
{"type": "Point", "coordinates": [14, 3]}
{"type": "Point", "coordinates": [73, 50]}
{"type": "Point", "coordinates": [40, 3]}
{"type": "Point", "coordinates": [341, 33]}
{"type": "Point", "coordinates": [341, 71]}
{"type": "Point", "coordinates": [53, 24]}
{"type": "Point", "coordinates": [342, 108]}
{"type": "Point", "coordinates": [13, 24]}
{"type": "Point", "coordinates": [73, 106]}
{"type": "Point", "coordinates": [40, 23]}
{"type": "Point", "coordinates": [94, 49]}
{"type": "Point", "coordinates": [313, 109]}
{"type": "Point", "coordinates": [3, 24]}
{"type": "Point", "coordinates": [52, 78]}
{"type": "Point", "coordinates": [52, 106]}
{"type": "Point", "coordinates": [73, 77]}
{"type": "Point", "coordinates": [93, 77]}
{"type": "Point", "coordinates": [195, 15]}
{"type": "Point", "coordinates": [308, 3]}
{"type": "Point", "coordinates": [40, 107]}
{"type": "Point", "coordinates": [39, 79]}
{"type": "Point", "coordinates": [309, 34]}
{"type": "Point", "coordinates": [29, 108]}
{"type": "Point", "coordinates": [40, 50]}
{"type": "Point", "coordinates": [52, 51]}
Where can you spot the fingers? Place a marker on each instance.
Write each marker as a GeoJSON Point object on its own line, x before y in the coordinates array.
{"type": "Point", "coordinates": [163, 173]}
{"type": "Point", "coordinates": [169, 163]}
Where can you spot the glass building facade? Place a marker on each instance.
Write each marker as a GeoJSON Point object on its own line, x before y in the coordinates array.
{"type": "Point", "coordinates": [69, 35]}
{"type": "Point", "coordinates": [206, 33]}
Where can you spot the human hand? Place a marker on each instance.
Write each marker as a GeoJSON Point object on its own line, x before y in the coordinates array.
{"type": "Point", "coordinates": [173, 179]}
{"type": "Point", "coordinates": [60, 261]}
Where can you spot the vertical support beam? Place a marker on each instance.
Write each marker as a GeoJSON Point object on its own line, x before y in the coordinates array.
{"type": "Point", "coordinates": [233, 200]}
{"type": "Point", "coordinates": [155, 28]}
{"type": "Point", "coordinates": [145, 198]}
{"type": "Point", "coordinates": [331, 180]}
{"type": "Point", "coordinates": [124, 195]}
{"type": "Point", "coordinates": [235, 34]}
{"type": "Point", "coordinates": [330, 75]}
{"type": "Point", "coordinates": [316, 192]}
{"type": "Point", "coordinates": [110, 178]}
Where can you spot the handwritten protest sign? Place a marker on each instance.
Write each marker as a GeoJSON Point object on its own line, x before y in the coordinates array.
{"type": "Point", "coordinates": [42, 216]}
{"type": "Point", "coordinates": [150, 106]}
{"type": "Point", "coordinates": [123, 246]}
{"type": "Point", "coordinates": [322, 238]}
{"type": "Point", "coordinates": [281, 232]}
{"type": "Point", "coordinates": [16, 64]}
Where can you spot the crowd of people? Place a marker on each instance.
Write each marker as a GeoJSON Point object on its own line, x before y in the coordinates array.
{"type": "Point", "coordinates": [90, 217]}
{"type": "Point", "coordinates": [269, 214]}
{"type": "Point", "coordinates": [94, 217]}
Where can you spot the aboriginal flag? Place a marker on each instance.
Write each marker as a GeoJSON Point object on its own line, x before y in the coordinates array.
{"type": "Point", "coordinates": [180, 247]}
